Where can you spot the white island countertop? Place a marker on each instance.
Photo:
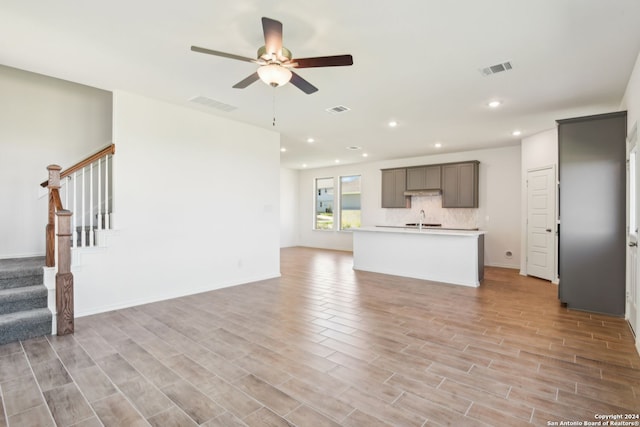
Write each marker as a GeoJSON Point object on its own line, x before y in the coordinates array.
{"type": "Point", "coordinates": [444, 255]}
{"type": "Point", "coordinates": [425, 230]}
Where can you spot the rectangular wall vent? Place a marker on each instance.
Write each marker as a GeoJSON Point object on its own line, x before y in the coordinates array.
{"type": "Point", "coordinates": [497, 68]}
{"type": "Point", "coordinates": [338, 109]}
{"type": "Point", "coordinates": [212, 103]}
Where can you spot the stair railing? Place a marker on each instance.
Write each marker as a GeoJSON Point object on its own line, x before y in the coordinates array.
{"type": "Point", "coordinates": [87, 190]}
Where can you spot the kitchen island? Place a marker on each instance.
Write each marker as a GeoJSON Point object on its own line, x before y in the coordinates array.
{"type": "Point", "coordinates": [441, 255]}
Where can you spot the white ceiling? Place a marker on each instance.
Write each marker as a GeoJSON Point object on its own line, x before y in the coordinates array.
{"type": "Point", "coordinates": [415, 61]}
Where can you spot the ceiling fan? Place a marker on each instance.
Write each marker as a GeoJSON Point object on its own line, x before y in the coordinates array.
{"type": "Point", "coordinates": [276, 61]}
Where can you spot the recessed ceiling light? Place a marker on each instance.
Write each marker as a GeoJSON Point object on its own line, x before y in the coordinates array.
{"type": "Point", "coordinates": [354, 148]}
{"type": "Point", "coordinates": [393, 124]}
{"type": "Point", "coordinates": [437, 144]}
{"type": "Point", "coordinates": [311, 140]}
{"type": "Point", "coordinates": [337, 160]}
{"type": "Point", "coordinates": [282, 149]}
{"type": "Point", "coordinates": [365, 155]}
{"type": "Point", "coordinates": [304, 165]}
{"type": "Point", "coordinates": [516, 133]}
{"type": "Point", "coordinates": [494, 104]}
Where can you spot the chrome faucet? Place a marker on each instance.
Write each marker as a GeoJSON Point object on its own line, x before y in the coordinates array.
{"type": "Point", "coordinates": [421, 219]}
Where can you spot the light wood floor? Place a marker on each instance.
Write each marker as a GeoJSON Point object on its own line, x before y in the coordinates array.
{"type": "Point", "coordinates": [325, 346]}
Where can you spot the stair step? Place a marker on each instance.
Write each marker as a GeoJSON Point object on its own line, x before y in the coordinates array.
{"type": "Point", "coordinates": [19, 282]}
{"type": "Point", "coordinates": [19, 272]}
{"type": "Point", "coordinates": [24, 325]}
{"type": "Point", "coordinates": [25, 298]}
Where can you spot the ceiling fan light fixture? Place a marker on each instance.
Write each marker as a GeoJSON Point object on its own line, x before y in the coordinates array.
{"type": "Point", "coordinates": [275, 61]}
{"type": "Point", "coordinates": [274, 75]}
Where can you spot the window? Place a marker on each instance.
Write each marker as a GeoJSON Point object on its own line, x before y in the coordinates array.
{"type": "Point", "coordinates": [324, 204]}
{"type": "Point", "coordinates": [349, 202]}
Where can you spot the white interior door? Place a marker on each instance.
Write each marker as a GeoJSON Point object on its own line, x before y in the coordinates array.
{"type": "Point", "coordinates": [634, 219]}
{"type": "Point", "coordinates": [541, 223]}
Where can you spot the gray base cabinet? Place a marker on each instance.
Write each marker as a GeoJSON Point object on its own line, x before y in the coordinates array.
{"type": "Point", "coordinates": [460, 185]}
{"type": "Point", "coordinates": [394, 183]}
{"type": "Point", "coordinates": [592, 233]}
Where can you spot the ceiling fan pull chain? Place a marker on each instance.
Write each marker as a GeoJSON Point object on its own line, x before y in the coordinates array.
{"type": "Point", "coordinates": [274, 106]}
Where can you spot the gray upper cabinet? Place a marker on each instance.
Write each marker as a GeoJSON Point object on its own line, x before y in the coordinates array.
{"type": "Point", "coordinates": [393, 186]}
{"type": "Point", "coordinates": [423, 178]}
{"type": "Point", "coordinates": [460, 185]}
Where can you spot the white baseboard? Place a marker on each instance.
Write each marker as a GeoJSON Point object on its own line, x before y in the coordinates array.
{"type": "Point", "coordinates": [22, 255]}
{"type": "Point", "coordinates": [499, 265]}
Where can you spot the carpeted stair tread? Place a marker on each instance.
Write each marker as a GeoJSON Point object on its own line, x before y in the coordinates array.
{"type": "Point", "coordinates": [24, 298]}
{"type": "Point", "coordinates": [18, 267]}
{"type": "Point", "coordinates": [19, 272]}
{"type": "Point", "coordinates": [19, 282]}
{"type": "Point", "coordinates": [24, 325]}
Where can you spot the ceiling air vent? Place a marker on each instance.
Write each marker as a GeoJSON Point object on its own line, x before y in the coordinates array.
{"type": "Point", "coordinates": [498, 68]}
{"type": "Point", "coordinates": [212, 103]}
{"type": "Point", "coordinates": [338, 109]}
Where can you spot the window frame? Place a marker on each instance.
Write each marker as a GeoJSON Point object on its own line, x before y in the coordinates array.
{"type": "Point", "coordinates": [341, 202]}
{"type": "Point", "coordinates": [315, 203]}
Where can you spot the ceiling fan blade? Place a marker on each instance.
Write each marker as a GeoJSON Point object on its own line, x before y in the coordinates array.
{"type": "Point", "coordinates": [302, 84]}
{"type": "Point", "coordinates": [324, 61]}
{"type": "Point", "coordinates": [272, 35]}
{"type": "Point", "coordinates": [246, 82]}
{"type": "Point", "coordinates": [223, 54]}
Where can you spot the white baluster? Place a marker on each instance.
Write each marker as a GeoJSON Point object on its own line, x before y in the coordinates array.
{"type": "Point", "coordinates": [74, 198]}
{"type": "Point", "coordinates": [66, 192]}
{"type": "Point", "coordinates": [99, 194]}
{"type": "Point", "coordinates": [83, 240]}
{"type": "Point", "coordinates": [91, 238]}
{"type": "Point", "coordinates": [107, 220]}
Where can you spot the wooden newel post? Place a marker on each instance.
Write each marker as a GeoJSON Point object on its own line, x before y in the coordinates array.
{"type": "Point", "coordinates": [64, 277]}
{"type": "Point", "coordinates": [53, 186]}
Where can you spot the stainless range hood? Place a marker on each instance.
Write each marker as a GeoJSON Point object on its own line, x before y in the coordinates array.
{"type": "Point", "coordinates": [435, 192]}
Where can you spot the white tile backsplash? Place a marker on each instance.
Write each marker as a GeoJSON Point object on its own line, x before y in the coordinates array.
{"type": "Point", "coordinates": [434, 214]}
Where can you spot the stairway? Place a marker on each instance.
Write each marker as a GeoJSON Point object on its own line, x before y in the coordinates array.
{"type": "Point", "coordinates": [23, 300]}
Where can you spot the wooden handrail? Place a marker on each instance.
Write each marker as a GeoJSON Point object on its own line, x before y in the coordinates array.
{"type": "Point", "coordinates": [111, 149]}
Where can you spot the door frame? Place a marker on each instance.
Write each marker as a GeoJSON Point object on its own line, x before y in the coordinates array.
{"type": "Point", "coordinates": [632, 145]}
{"type": "Point", "coordinates": [554, 209]}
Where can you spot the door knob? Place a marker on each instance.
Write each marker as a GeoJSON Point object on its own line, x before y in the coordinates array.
{"type": "Point", "coordinates": [633, 244]}
{"type": "Point", "coordinates": [549, 230]}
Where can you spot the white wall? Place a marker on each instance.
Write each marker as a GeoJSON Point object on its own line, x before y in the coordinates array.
{"type": "Point", "coordinates": [499, 201]}
{"type": "Point", "coordinates": [538, 151]}
{"type": "Point", "coordinates": [196, 207]}
{"type": "Point", "coordinates": [42, 121]}
{"type": "Point", "coordinates": [631, 99]}
{"type": "Point", "coordinates": [289, 184]}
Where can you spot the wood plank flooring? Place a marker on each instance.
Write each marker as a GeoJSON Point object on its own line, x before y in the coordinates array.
{"type": "Point", "coordinates": [327, 346]}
